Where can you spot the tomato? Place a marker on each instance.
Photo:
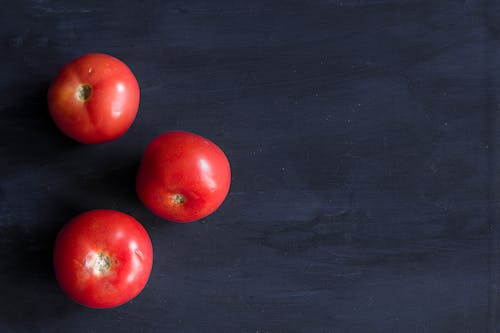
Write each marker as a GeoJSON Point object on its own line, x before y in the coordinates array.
{"type": "Point", "coordinates": [103, 258]}
{"type": "Point", "coordinates": [183, 177]}
{"type": "Point", "coordinates": [94, 98]}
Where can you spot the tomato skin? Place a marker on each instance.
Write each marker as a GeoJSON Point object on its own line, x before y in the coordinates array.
{"type": "Point", "coordinates": [182, 165]}
{"type": "Point", "coordinates": [80, 248]}
{"type": "Point", "coordinates": [112, 104]}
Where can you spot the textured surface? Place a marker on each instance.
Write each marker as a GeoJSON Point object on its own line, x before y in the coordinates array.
{"type": "Point", "coordinates": [363, 142]}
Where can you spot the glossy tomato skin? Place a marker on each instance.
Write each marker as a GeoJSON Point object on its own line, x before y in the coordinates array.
{"type": "Point", "coordinates": [103, 258]}
{"type": "Point", "coordinates": [94, 98]}
{"type": "Point", "coordinates": [183, 177]}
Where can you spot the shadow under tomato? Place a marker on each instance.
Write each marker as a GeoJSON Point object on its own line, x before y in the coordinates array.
{"type": "Point", "coordinates": [28, 135]}
{"type": "Point", "coordinates": [115, 189]}
{"type": "Point", "coordinates": [31, 296]}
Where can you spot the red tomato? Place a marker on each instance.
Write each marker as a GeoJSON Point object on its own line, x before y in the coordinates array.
{"type": "Point", "coordinates": [103, 258]}
{"type": "Point", "coordinates": [183, 177]}
{"type": "Point", "coordinates": [94, 98]}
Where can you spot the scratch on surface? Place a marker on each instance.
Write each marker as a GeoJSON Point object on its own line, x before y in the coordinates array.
{"type": "Point", "coordinates": [42, 10]}
{"type": "Point", "coordinates": [269, 84]}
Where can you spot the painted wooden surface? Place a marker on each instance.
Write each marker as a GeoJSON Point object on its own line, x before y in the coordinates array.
{"type": "Point", "coordinates": [363, 138]}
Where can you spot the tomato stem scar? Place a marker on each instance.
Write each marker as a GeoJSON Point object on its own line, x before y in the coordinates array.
{"type": "Point", "coordinates": [99, 263]}
{"type": "Point", "coordinates": [102, 262]}
{"type": "Point", "coordinates": [83, 92]}
{"type": "Point", "coordinates": [178, 199]}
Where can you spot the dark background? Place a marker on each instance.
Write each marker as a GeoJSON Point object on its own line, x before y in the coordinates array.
{"type": "Point", "coordinates": [363, 142]}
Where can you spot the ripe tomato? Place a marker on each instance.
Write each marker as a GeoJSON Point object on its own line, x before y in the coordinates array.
{"type": "Point", "coordinates": [183, 177]}
{"type": "Point", "coordinates": [103, 258]}
{"type": "Point", "coordinates": [94, 98]}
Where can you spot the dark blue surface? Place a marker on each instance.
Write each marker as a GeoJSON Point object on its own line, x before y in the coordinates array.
{"type": "Point", "coordinates": [363, 141]}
